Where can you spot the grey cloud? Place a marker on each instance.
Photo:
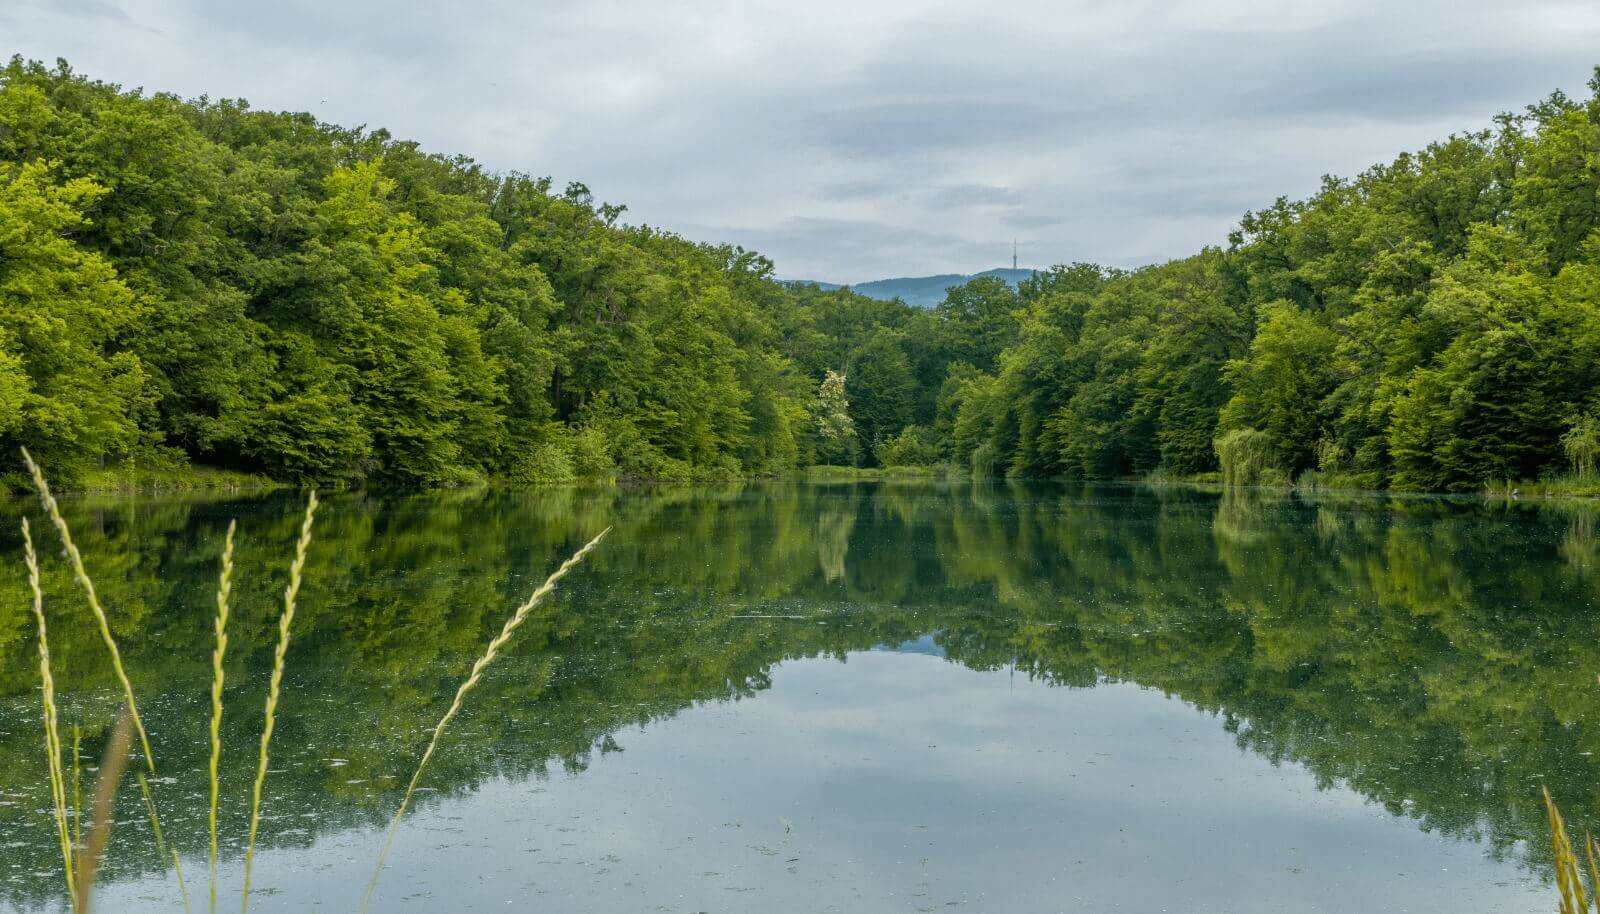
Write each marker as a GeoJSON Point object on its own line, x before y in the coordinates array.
{"type": "Point", "coordinates": [972, 195]}
{"type": "Point", "coordinates": [107, 11]}
{"type": "Point", "coordinates": [864, 189]}
{"type": "Point", "coordinates": [855, 249]}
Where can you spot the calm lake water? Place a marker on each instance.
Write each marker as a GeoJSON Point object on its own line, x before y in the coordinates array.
{"type": "Point", "coordinates": [857, 697]}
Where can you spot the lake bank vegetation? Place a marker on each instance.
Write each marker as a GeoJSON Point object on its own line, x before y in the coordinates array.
{"type": "Point", "coordinates": [197, 282]}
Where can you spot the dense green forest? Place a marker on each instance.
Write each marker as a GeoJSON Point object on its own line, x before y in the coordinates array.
{"type": "Point", "coordinates": [193, 280]}
{"type": "Point", "coordinates": [1433, 323]}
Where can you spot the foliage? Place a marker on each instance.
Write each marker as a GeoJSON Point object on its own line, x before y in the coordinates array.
{"type": "Point", "coordinates": [197, 280]}
{"type": "Point", "coordinates": [1246, 456]}
{"type": "Point", "coordinates": [836, 431]}
{"type": "Point", "coordinates": [915, 446]}
{"type": "Point", "coordinates": [65, 391]}
{"type": "Point", "coordinates": [1582, 445]}
{"type": "Point", "coordinates": [1436, 319]}
{"type": "Point", "coordinates": [880, 389]}
{"type": "Point", "coordinates": [200, 281]}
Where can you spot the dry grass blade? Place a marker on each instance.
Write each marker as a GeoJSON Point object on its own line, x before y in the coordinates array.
{"type": "Point", "coordinates": [82, 574]}
{"type": "Point", "coordinates": [1569, 876]}
{"type": "Point", "coordinates": [290, 595]}
{"type": "Point", "coordinates": [112, 765]}
{"type": "Point", "coordinates": [516, 620]}
{"type": "Point", "coordinates": [224, 589]}
{"type": "Point", "coordinates": [52, 724]}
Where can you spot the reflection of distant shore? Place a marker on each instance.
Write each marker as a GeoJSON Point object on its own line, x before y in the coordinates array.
{"type": "Point", "coordinates": [1424, 653]}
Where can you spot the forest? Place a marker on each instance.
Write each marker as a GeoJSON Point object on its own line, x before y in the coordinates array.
{"type": "Point", "coordinates": [198, 283]}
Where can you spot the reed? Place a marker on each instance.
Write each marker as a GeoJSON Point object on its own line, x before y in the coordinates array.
{"type": "Point", "coordinates": [112, 766]}
{"type": "Point", "coordinates": [224, 589]}
{"type": "Point", "coordinates": [290, 594]}
{"type": "Point", "coordinates": [467, 685]}
{"type": "Point", "coordinates": [52, 723]}
{"type": "Point", "coordinates": [82, 574]}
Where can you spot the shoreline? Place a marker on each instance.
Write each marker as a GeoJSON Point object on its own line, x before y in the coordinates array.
{"type": "Point", "coordinates": [200, 479]}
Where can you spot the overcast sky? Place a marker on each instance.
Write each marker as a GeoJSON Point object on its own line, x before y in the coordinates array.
{"type": "Point", "coordinates": [862, 139]}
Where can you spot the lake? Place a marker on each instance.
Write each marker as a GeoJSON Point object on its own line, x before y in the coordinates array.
{"type": "Point", "coordinates": [865, 697]}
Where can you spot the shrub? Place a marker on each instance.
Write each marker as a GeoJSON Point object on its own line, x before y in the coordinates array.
{"type": "Point", "coordinates": [983, 459]}
{"type": "Point", "coordinates": [590, 455]}
{"type": "Point", "coordinates": [1582, 445]}
{"type": "Point", "coordinates": [546, 464]}
{"type": "Point", "coordinates": [915, 446]}
{"type": "Point", "coordinates": [1246, 458]}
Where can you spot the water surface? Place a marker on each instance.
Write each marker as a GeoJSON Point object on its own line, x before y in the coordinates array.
{"type": "Point", "coordinates": [862, 697]}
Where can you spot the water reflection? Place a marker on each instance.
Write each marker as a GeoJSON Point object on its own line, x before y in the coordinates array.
{"type": "Point", "coordinates": [1434, 657]}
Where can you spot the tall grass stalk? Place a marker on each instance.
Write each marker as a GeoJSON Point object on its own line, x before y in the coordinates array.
{"type": "Point", "coordinates": [52, 723]}
{"type": "Point", "coordinates": [77, 786]}
{"type": "Point", "coordinates": [112, 766]}
{"type": "Point", "coordinates": [489, 654]}
{"type": "Point", "coordinates": [1569, 874]}
{"type": "Point", "coordinates": [290, 595]}
{"type": "Point", "coordinates": [162, 847]}
{"type": "Point", "coordinates": [82, 574]}
{"type": "Point", "coordinates": [224, 588]}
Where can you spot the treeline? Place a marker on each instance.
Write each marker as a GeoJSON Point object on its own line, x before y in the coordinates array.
{"type": "Point", "coordinates": [1433, 323]}
{"type": "Point", "coordinates": [198, 281]}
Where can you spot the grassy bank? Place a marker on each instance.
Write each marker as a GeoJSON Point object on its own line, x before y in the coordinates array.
{"type": "Point", "coordinates": [1560, 487]}
{"type": "Point", "coordinates": [177, 479]}
{"type": "Point", "coordinates": [828, 472]}
{"type": "Point", "coordinates": [132, 479]}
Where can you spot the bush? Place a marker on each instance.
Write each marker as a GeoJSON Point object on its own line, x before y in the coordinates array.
{"type": "Point", "coordinates": [546, 464]}
{"type": "Point", "coordinates": [644, 462]}
{"type": "Point", "coordinates": [590, 455]}
{"type": "Point", "coordinates": [1246, 458]}
{"type": "Point", "coordinates": [1582, 445]}
{"type": "Point", "coordinates": [915, 446]}
{"type": "Point", "coordinates": [983, 459]}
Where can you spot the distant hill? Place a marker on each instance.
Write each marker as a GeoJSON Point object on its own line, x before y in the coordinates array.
{"type": "Point", "coordinates": [922, 291]}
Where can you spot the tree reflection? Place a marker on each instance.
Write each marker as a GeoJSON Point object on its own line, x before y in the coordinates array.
{"type": "Point", "coordinates": [1436, 656]}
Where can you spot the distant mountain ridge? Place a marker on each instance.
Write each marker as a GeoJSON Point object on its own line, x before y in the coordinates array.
{"type": "Point", "coordinates": [922, 291]}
